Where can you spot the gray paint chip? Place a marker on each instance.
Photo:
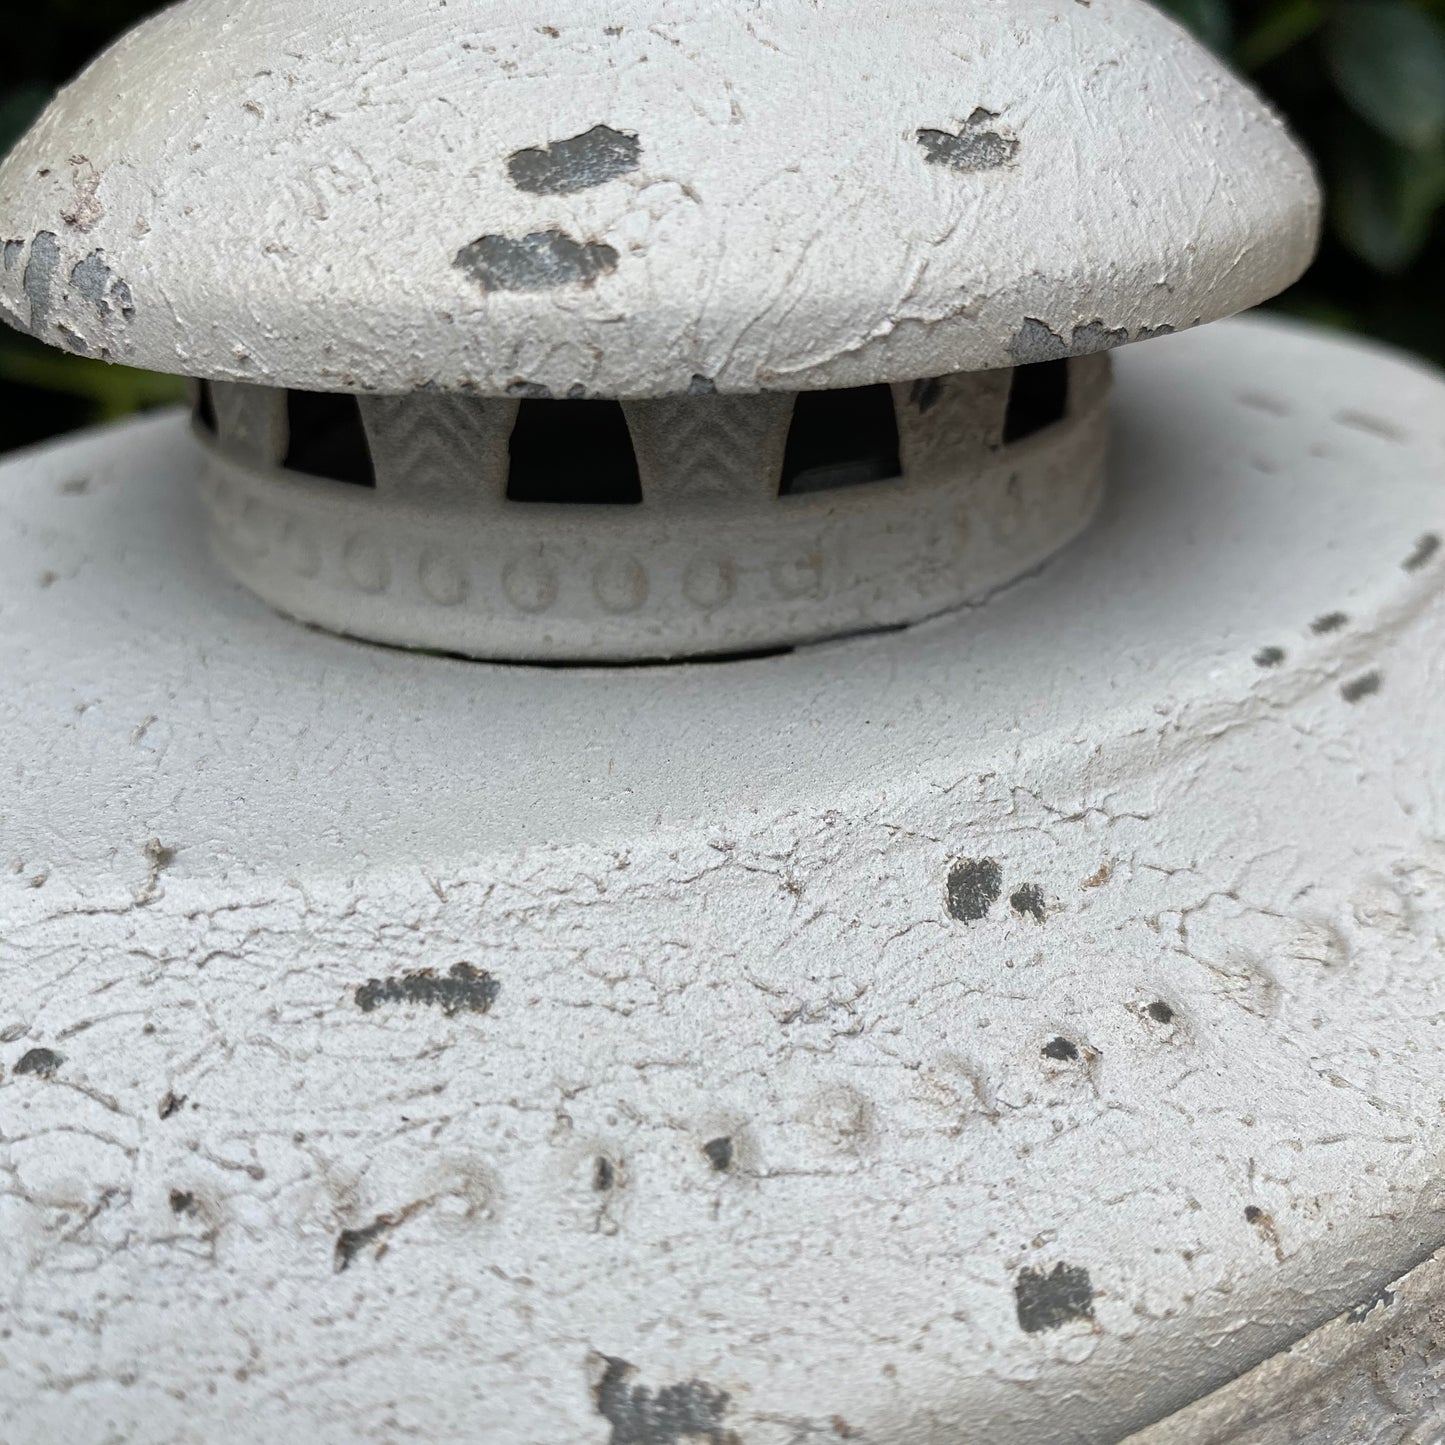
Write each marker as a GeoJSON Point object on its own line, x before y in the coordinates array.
{"type": "Point", "coordinates": [537, 262]}
{"type": "Point", "coordinates": [39, 278]}
{"type": "Point", "coordinates": [691, 1413]}
{"type": "Point", "coordinates": [1049, 1300]}
{"type": "Point", "coordinates": [976, 146]}
{"type": "Point", "coordinates": [576, 164]}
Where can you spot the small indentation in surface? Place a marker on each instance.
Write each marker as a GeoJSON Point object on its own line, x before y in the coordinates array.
{"type": "Point", "coordinates": [719, 1154]}
{"type": "Point", "coordinates": [1374, 426]}
{"type": "Point", "coordinates": [1038, 399]}
{"type": "Point", "coordinates": [1061, 1050]}
{"type": "Point", "coordinates": [1425, 550]}
{"type": "Point", "coordinates": [1359, 688]}
{"type": "Point", "coordinates": [1263, 401]}
{"type": "Point", "coordinates": [1160, 1012]}
{"type": "Point", "coordinates": [573, 452]}
{"type": "Point", "coordinates": [845, 438]}
{"type": "Point", "coordinates": [328, 438]}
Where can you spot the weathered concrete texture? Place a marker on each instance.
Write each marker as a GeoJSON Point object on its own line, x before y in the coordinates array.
{"type": "Point", "coordinates": [776, 1128]}
{"type": "Point", "coordinates": [1374, 1376]}
{"type": "Point", "coordinates": [623, 195]}
{"type": "Point", "coordinates": [712, 560]}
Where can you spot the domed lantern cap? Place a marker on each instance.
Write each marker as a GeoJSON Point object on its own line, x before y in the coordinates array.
{"type": "Point", "coordinates": [643, 197]}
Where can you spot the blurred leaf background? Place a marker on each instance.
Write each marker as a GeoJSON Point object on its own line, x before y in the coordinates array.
{"type": "Point", "coordinates": [1361, 81]}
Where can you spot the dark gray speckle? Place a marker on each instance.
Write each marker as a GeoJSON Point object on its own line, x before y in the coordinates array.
{"type": "Point", "coordinates": [977, 146]}
{"type": "Point", "coordinates": [1061, 1050]}
{"type": "Point", "coordinates": [43, 1063]}
{"type": "Point", "coordinates": [1269, 657]}
{"type": "Point", "coordinates": [464, 990]}
{"type": "Point", "coordinates": [1035, 342]}
{"type": "Point", "coordinates": [1359, 688]}
{"type": "Point", "coordinates": [537, 262]}
{"type": "Point", "coordinates": [719, 1153]}
{"type": "Point", "coordinates": [973, 888]}
{"type": "Point", "coordinates": [39, 278]}
{"type": "Point", "coordinates": [182, 1202]}
{"type": "Point", "coordinates": [1046, 1300]}
{"type": "Point", "coordinates": [1425, 550]}
{"type": "Point", "coordinates": [1160, 1012]}
{"type": "Point", "coordinates": [1028, 899]}
{"type": "Point", "coordinates": [1330, 622]}
{"type": "Point", "coordinates": [686, 1414]}
{"type": "Point", "coordinates": [577, 164]}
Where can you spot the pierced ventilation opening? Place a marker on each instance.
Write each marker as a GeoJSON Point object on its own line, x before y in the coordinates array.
{"type": "Point", "coordinates": [328, 438]}
{"type": "Point", "coordinates": [206, 407]}
{"type": "Point", "coordinates": [1038, 397]}
{"type": "Point", "coordinates": [573, 452]}
{"type": "Point", "coordinates": [841, 439]}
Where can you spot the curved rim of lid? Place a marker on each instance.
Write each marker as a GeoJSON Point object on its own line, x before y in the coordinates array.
{"type": "Point", "coordinates": [558, 213]}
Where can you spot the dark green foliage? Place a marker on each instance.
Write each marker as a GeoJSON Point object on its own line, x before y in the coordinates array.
{"type": "Point", "coordinates": [1363, 84]}
{"type": "Point", "coordinates": [1361, 81]}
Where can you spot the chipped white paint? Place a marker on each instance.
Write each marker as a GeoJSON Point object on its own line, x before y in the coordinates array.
{"type": "Point", "coordinates": [712, 903]}
{"type": "Point", "coordinates": [624, 195]}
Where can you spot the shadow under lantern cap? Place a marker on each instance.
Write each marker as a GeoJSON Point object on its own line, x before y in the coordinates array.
{"type": "Point", "coordinates": [639, 197]}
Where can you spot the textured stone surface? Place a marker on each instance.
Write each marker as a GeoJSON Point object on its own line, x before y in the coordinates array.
{"type": "Point", "coordinates": [525, 1055]}
{"type": "Point", "coordinates": [629, 196]}
{"type": "Point", "coordinates": [712, 560]}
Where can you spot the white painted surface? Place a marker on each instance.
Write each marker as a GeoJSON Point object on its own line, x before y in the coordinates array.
{"type": "Point", "coordinates": [818, 194]}
{"type": "Point", "coordinates": [713, 900]}
{"type": "Point", "coordinates": [437, 557]}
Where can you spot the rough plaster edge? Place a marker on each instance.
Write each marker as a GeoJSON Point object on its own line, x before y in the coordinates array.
{"type": "Point", "coordinates": [1355, 1362]}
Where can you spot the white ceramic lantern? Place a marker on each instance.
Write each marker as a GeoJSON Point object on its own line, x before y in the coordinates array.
{"type": "Point", "coordinates": [985, 986]}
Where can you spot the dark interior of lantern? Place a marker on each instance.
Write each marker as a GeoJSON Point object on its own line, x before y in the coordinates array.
{"type": "Point", "coordinates": [843, 438]}
{"type": "Point", "coordinates": [573, 451]}
{"type": "Point", "coordinates": [206, 407]}
{"type": "Point", "coordinates": [1038, 397]}
{"type": "Point", "coordinates": [581, 451]}
{"type": "Point", "coordinates": [328, 438]}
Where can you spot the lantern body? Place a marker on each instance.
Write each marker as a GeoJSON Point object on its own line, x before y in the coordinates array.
{"type": "Point", "coordinates": [1019, 1026]}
